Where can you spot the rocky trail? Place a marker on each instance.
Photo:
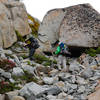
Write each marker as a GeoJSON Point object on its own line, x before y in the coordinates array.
{"type": "Point", "coordinates": [36, 80]}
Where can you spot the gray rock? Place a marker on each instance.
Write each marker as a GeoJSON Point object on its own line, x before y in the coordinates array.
{"type": "Point", "coordinates": [51, 97]}
{"type": "Point", "coordinates": [32, 89]}
{"type": "Point", "coordinates": [62, 96]}
{"type": "Point", "coordinates": [10, 95]}
{"type": "Point", "coordinates": [50, 80]}
{"type": "Point", "coordinates": [70, 88]}
{"type": "Point", "coordinates": [28, 68]}
{"type": "Point", "coordinates": [2, 55]}
{"type": "Point", "coordinates": [75, 66]}
{"type": "Point", "coordinates": [80, 80]}
{"type": "Point", "coordinates": [54, 90]}
{"type": "Point", "coordinates": [5, 74]}
{"type": "Point", "coordinates": [9, 52]}
{"type": "Point", "coordinates": [17, 72]}
{"type": "Point", "coordinates": [17, 98]}
{"type": "Point", "coordinates": [87, 73]}
{"type": "Point", "coordinates": [68, 77]}
{"type": "Point", "coordinates": [12, 80]}
{"type": "Point", "coordinates": [79, 26]}
{"type": "Point", "coordinates": [16, 60]}
{"type": "Point", "coordinates": [81, 89]}
{"type": "Point", "coordinates": [50, 25]}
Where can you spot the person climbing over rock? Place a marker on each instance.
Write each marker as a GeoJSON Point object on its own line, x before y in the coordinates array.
{"type": "Point", "coordinates": [62, 52]}
{"type": "Point", "coordinates": [32, 44]}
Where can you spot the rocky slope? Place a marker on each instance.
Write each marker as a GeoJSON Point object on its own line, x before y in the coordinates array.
{"type": "Point", "coordinates": [22, 79]}
{"type": "Point", "coordinates": [38, 80]}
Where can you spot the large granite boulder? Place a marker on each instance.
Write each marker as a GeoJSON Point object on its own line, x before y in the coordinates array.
{"type": "Point", "coordinates": [13, 16]}
{"type": "Point", "coordinates": [81, 26]}
{"type": "Point", "coordinates": [3, 0]}
{"type": "Point", "coordinates": [49, 27]}
{"type": "Point", "coordinates": [78, 26]}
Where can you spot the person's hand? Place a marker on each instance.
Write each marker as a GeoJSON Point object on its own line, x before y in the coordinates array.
{"type": "Point", "coordinates": [24, 44]}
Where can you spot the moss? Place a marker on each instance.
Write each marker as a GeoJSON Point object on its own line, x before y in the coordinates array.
{"type": "Point", "coordinates": [19, 36]}
{"type": "Point", "coordinates": [34, 27]}
{"type": "Point", "coordinates": [92, 52]}
{"type": "Point", "coordinates": [8, 87]}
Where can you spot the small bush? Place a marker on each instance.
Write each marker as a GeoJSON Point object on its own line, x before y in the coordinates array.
{"type": "Point", "coordinates": [7, 87]}
{"type": "Point", "coordinates": [92, 52]}
{"type": "Point", "coordinates": [6, 64]}
{"type": "Point", "coordinates": [40, 58]}
{"type": "Point", "coordinates": [34, 27]}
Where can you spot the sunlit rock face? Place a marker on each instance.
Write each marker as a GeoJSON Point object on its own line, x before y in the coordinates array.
{"type": "Point", "coordinates": [81, 26]}
{"type": "Point", "coordinates": [13, 16]}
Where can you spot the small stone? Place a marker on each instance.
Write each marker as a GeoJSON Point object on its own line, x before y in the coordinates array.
{"type": "Point", "coordinates": [50, 80]}
{"type": "Point", "coordinates": [60, 84]}
{"type": "Point", "coordinates": [80, 80]}
{"type": "Point", "coordinates": [53, 72]}
{"type": "Point", "coordinates": [51, 97]}
{"type": "Point", "coordinates": [87, 73]}
{"type": "Point", "coordinates": [17, 98]}
{"type": "Point", "coordinates": [2, 97]}
{"type": "Point", "coordinates": [75, 66]}
{"type": "Point", "coordinates": [54, 90]}
{"type": "Point", "coordinates": [17, 72]}
{"type": "Point", "coordinates": [62, 96]}
{"type": "Point", "coordinates": [10, 95]}
{"type": "Point", "coordinates": [81, 89]}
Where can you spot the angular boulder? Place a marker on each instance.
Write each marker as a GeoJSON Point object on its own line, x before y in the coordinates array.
{"type": "Point", "coordinates": [49, 27]}
{"type": "Point", "coordinates": [13, 16]}
{"type": "Point", "coordinates": [81, 26]}
{"type": "Point", "coordinates": [78, 26]}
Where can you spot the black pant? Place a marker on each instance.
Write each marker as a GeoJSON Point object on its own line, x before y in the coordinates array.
{"type": "Point", "coordinates": [31, 52]}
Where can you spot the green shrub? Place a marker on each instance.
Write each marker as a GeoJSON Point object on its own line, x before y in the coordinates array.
{"type": "Point", "coordinates": [92, 52]}
{"type": "Point", "coordinates": [41, 58]}
{"type": "Point", "coordinates": [7, 87]}
{"type": "Point", "coordinates": [34, 27]}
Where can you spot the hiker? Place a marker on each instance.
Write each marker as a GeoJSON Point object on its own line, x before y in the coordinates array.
{"type": "Point", "coordinates": [62, 52]}
{"type": "Point", "coordinates": [32, 44]}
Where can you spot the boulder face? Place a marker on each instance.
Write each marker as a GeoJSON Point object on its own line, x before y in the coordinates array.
{"type": "Point", "coordinates": [78, 26]}
{"type": "Point", "coordinates": [13, 16]}
{"type": "Point", "coordinates": [81, 26]}
{"type": "Point", "coordinates": [49, 27]}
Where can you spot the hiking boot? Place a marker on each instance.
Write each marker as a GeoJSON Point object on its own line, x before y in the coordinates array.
{"type": "Point", "coordinates": [31, 58]}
